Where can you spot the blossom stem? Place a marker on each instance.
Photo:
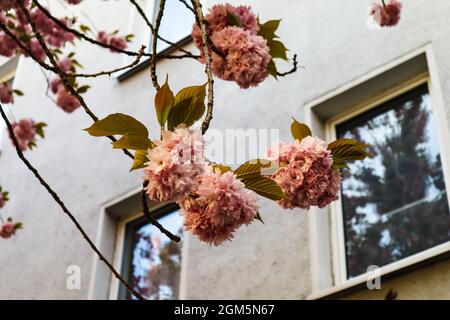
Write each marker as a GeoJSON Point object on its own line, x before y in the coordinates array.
{"type": "Point", "coordinates": [64, 208]}
{"type": "Point", "coordinates": [384, 3]}
{"type": "Point", "coordinates": [208, 70]}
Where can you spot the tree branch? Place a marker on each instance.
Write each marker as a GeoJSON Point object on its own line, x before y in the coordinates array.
{"type": "Point", "coordinates": [81, 35]}
{"type": "Point", "coordinates": [61, 74]}
{"type": "Point", "coordinates": [64, 208]}
{"type": "Point", "coordinates": [294, 68]}
{"type": "Point", "coordinates": [153, 221]}
{"type": "Point", "coordinates": [202, 23]}
{"type": "Point", "coordinates": [155, 30]}
{"type": "Point", "coordinates": [144, 16]}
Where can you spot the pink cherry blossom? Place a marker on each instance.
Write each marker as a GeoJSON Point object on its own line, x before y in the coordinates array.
{"type": "Point", "coordinates": [6, 93]}
{"type": "Point", "coordinates": [386, 15]}
{"type": "Point", "coordinates": [305, 175]}
{"type": "Point", "coordinates": [246, 57]}
{"type": "Point", "coordinates": [8, 46]}
{"type": "Point", "coordinates": [56, 84]}
{"type": "Point", "coordinates": [25, 132]}
{"type": "Point", "coordinates": [9, 228]}
{"type": "Point", "coordinates": [74, 1]}
{"type": "Point", "coordinates": [6, 5]}
{"type": "Point", "coordinates": [218, 207]}
{"type": "Point", "coordinates": [66, 101]}
{"type": "Point", "coordinates": [65, 64]}
{"type": "Point", "coordinates": [175, 164]}
{"type": "Point", "coordinates": [217, 20]}
{"type": "Point", "coordinates": [112, 40]}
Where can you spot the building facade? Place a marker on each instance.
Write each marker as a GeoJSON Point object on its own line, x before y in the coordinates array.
{"type": "Point", "coordinates": [388, 87]}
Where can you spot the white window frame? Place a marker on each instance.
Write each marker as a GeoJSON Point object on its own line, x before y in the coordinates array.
{"type": "Point", "coordinates": [327, 245]}
{"type": "Point", "coordinates": [120, 246]}
{"type": "Point", "coordinates": [337, 220]}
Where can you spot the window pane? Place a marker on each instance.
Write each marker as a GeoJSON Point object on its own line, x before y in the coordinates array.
{"type": "Point", "coordinates": [156, 260]}
{"type": "Point", "coordinates": [395, 203]}
{"type": "Point", "coordinates": [176, 23]}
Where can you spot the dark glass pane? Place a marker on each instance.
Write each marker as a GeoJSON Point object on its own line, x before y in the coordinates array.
{"type": "Point", "coordinates": [395, 203]}
{"type": "Point", "coordinates": [155, 260]}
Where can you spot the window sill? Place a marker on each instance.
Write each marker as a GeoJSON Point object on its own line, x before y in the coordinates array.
{"type": "Point", "coordinates": [146, 63]}
{"type": "Point", "coordinates": [391, 271]}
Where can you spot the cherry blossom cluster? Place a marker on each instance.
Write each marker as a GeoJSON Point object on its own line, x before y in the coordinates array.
{"type": "Point", "coordinates": [113, 40]}
{"type": "Point", "coordinates": [6, 93]}
{"type": "Point", "coordinates": [64, 99]}
{"type": "Point", "coordinates": [245, 55]}
{"type": "Point", "coordinates": [26, 132]}
{"type": "Point", "coordinates": [386, 14]}
{"type": "Point", "coordinates": [306, 173]}
{"type": "Point", "coordinates": [214, 204]}
{"type": "Point", "coordinates": [7, 228]}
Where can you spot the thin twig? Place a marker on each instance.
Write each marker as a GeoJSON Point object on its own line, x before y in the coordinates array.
{"type": "Point", "coordinates": [109, 72]}
{"type": "Point", "coordinates": [81, 35]}
{"type": "Point", "coordinates": [201, 20]}
{"type": "Point", "coordinates": [64, 208]}
{"type": "Point", "coordinates": [294, 68]}
{"type": "Point", "coordinates": [159, 16]}
{"type": "Point", "coordinates": [144, 16]}
{"type": "Point", "coordinates": [187, 6]}
{"type": "Point", "coordinates": [153, 221]}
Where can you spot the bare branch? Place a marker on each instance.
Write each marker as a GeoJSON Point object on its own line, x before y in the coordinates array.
{"type": "Point", "coordinates": [144, 16]}
{"type": "Point", "coordinates": [64, 208]}
{"type": "Point", "coordinates": [109, 72]}
{"type": "Point", "coordinates": [62, 75]}
{"type": "Point", "coordinates": [294, 68]}
{"type": "Point", "coordinates": [202, 23]}
{"type": "Point", "coordinates": [81, 35]}
{"type": "Point", "coordinates": [159, 16]}
{"type": "Point", "coordinates": [153, 221]}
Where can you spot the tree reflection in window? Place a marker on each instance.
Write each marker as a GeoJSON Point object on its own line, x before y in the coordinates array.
{"type": "Point", "coordinates": [395, 203]}
{"type": "Point", "coordinates": [155, 260]}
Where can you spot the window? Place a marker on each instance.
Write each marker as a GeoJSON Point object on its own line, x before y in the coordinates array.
{"type": "Point", "coordinates": [150, 261]}
{"type": "Point", "coordinates": [394, 204]}
{"type": "Point", "coordinates": [176, 23]}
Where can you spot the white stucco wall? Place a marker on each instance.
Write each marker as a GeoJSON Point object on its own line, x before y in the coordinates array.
{"type": "Point", "coordinates": [264, 261]}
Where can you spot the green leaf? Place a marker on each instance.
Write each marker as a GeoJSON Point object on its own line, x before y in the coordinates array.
{"type": "Point", "coordinates": [189, 106]}
{"type": "Point", "coordinates": [132, 141]}
{"type": "Point", "coordinates": [258, 217]}
{"type": "Point", "coordinates": [267, 29]}
{"type": "Point", "coordinates": [264, 187]}
{"type": "Point", "coordinates": [164, 101]}
{"type": "Point", "coordinates": [233, 20]}
{"type": "Point", "coordinates": [18, 92]}
{"type": "Point", "coordinates": [39, 127]}
{"type": "Point", "coordinates": [83, 89]}
{"type": "Point", "coordinates": [140, 159]}
{"type": "Point", "coordinates": [253, 168]}
{"type": "Point", "coordinates": [278, 50]}
{"type": "Point", "coordinates": [117, 124]}
{"type": "Point", "coordinates": [299, 130]}
{"type": "Point", "coordinates": [84, 28]}
{"type": "Point", "coordinates": [223, 168]}
{"type": "Point", "coordinates": [272, 69]}
{"type": "Point", "coordinates": [344, 150]}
